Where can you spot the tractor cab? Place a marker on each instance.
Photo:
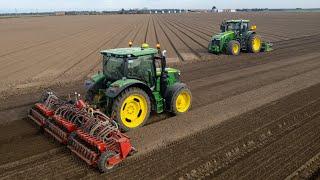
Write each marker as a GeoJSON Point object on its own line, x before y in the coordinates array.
{"type": "Point", "coordinates": [130, 63]}
{"type": "Point", "coordinates": [237, 36]}
{"type": "Point", "coordinates": [237, 26]}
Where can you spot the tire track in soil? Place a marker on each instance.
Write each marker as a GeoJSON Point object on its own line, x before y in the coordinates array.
{"type": "Point", "coordinates": [192, 28]}
{"type": "Point", "coordinates": [280, 154]}
{"type": "Point", "coordinates": [308, 37]}
{"type": "Point", "coordinates": [201, 26]}
{"type": "Point", "coordinates": [246, 146]}
{"type": "Point", "coordinates": [171, 43]}
{"type": "Point", "coordinates": [309, 170]}
{"type": "Point", "coordinates": [146, 34]}
{"type": "Point", "coordinates": [176, 26]}
{"type": "Point", "coordinates": [155, 30]}
{"type": "Point", "coordinates": [45, 42]}
{"type": "Point", "coordinates": [310, 144]}
{"type": "Point", "coordinates": [240, 63]}
{"type": "Point", "coordinates": [38, 61]}
{"type": "Point", "coordinates": [307, 41]}
{"type": "Point", "coordinates": [136, 34]}
{"type": "Point", "coordinates": [16, 60]}
{"type": "Point", "coordinates": [183, 41]}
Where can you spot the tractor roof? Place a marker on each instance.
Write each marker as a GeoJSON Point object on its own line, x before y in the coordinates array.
{"type": "Point", "coordinates": [237, 21]}
{"type": "Point", "coordinates": [133, 51]}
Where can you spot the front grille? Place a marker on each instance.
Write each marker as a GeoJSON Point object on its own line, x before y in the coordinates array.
{"type": "Point", "coordinates": [216, 42]}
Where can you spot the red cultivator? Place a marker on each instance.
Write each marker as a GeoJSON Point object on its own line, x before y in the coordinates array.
{"type": "Point", "coordinates": [88, 133]}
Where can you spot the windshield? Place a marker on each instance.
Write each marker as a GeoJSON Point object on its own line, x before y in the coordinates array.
{"type": "Point", "coordinates": [113, 67]}
{"type": "Point", "coordinates": [233, 26]}
{"type": "Point", "coordinates": [142, 68]}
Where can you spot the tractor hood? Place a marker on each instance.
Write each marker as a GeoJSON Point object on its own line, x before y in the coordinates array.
{"type": "Point", "coordinates": [222, 35]}
{"type": "Point", "coordinates": [218, 41]}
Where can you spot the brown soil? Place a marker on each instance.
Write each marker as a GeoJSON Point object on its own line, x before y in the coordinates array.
{"type": "Point", "coordinates": [255, 115]}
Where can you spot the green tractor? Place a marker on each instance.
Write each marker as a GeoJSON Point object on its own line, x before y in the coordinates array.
{"type": "Point", "coordinates": [236, 36]}
{"type": "Point", "coordinates": [135, 81]}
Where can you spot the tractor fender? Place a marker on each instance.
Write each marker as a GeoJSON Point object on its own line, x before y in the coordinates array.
{"type": "Point", "coordinates": [114, 91]}
{"type": "Point", "coordinates": [249, 33]}
{"type": "Point", "coordinates": [170, 93]}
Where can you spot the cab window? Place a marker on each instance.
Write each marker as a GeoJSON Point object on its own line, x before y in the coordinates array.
{"type": "Point", "coordinates": [142, 68]}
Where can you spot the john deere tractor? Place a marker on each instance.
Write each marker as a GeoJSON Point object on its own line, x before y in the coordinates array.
{"type": "Point", "coordinates": [134, 82]}
{"type": "Point", "coordinates": [236, 36]}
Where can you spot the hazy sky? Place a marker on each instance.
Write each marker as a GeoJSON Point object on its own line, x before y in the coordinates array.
{"type": "Point", "coordinates": [51, 5]}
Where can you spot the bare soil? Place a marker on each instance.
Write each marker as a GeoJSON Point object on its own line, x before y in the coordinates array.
{"type": "Point", "coordinates": [255, 115]}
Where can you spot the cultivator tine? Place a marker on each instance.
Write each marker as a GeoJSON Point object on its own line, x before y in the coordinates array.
{"type": "Point", "coordinates": [36, 117]}
{"type": "Point", "coordinates": [56, 132]}
{"type": "Point", "coordinates": [89, 156]}
{"type": "Point", "coordinates": [88, 133]}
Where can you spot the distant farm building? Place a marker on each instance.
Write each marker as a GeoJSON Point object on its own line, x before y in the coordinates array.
{"type": "Point", "coordinates": [61, 13]}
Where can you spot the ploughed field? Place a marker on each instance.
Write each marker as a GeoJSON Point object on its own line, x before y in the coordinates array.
{"type": "Point", "coordinates": [255, 115]}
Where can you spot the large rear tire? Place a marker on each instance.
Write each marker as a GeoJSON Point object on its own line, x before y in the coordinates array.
{"type": "Point", "coordinates": [254, 43]}
{"type": "Point", "coordinates": [181, 101]}
{"type": "Point", "coordinates": [233, 48]}
{"type": "Point", "coordinates": [131, 109]}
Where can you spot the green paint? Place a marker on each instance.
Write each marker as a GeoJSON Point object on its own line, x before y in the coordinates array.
{"type": "Point", "coordinates": [238, 21]}
{"type": "Point", "coordinates": [97, 77]}
{"type": "Point", "coordinates": [126, 55]}
{"type": "Point", "coordinates": [219, 41]}
{"type": "Point", "coordinates": [235, 29]}
{"type": "Point", "coordinates": [133, 51]}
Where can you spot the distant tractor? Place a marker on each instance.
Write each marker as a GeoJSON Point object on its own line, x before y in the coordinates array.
{"type": "Point", "coordinates": [134, 82]}
{"type": "Point", "coordinates": [237, 36]}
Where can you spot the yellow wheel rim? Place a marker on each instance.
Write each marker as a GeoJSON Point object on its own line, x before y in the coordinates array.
{"type": "Point", "coordinates": [134, 111]}
{"type": "Point", "coordinates": [183, 102]}
{"type": "Point", "coordinates": [256, 44]}
{"type": "Point", "coordinates": [235, 49]}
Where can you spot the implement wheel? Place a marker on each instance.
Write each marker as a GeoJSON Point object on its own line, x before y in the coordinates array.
{"type": "Point", "coordinates": [254, 43]}
{"type": "Point", "coordinates": [131, 108]}
{"type": "Point", "coordinates": [181, 101]}
{"type": "Point", "coordinates": [233, 48]}
{"type": "Point", "coordinates": [103, 164]}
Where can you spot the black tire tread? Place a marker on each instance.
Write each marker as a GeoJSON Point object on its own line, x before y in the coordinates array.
{"type": "Point", "coordinates": [174, 97]}
{"type": "Point", "coordinates": [250, 43]}
{"type": "Point", "coordinates": [230, 47]}
{"type": "Point", "coordinates": [119, 100]}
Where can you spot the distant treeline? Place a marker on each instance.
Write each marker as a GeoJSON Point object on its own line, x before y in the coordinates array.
{"type": "Point", "coordinates": [279, 10]}
{"type": "Point", "coordinates": [122, 11]}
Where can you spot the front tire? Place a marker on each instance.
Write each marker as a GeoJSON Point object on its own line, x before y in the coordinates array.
{"type": "Point", "coordinates": [181, 101]}
{"type": "Point", "coordinates": [233, 48]}
{"type": "Point", "coordinates": [254, 43]}
{"type": "Point", "coordinates": [131, 109]}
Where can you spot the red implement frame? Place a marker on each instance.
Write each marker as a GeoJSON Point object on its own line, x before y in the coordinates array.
{"type": "Point", "coordinates": [89, 139]}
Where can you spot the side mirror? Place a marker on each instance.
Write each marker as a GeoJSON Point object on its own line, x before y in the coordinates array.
{"type": "Point", "coordinates": [164, 53]}
{"type": "Point", "coordinates": [254, 27]}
